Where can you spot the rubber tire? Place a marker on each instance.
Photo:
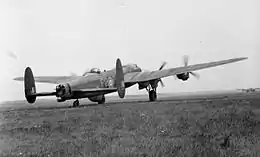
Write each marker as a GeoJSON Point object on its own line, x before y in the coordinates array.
{"type": "Point", "coordinates": [102, 101]}
{"type": "Point", "coordinates": [75, 103]}
{"type": "Point", "coordinates": [152, 95]}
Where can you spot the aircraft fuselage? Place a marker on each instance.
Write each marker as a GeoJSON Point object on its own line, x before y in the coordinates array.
{"type": "Point", "coordinates": [102, 80]}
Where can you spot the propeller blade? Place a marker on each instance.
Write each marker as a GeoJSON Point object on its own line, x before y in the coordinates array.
{"type": "Point", "coordinates": [86, 72]}
{"type": "Point", "coordinates": [161, 82]}
{"type": "Point", "coordinates": [73, 74]}
{"type": "Point", "coordinates": [195, 75]}
{"type": "Point", "coordinates": [185, 60]}
{"type": "Point", "coordinates": [162, 66]}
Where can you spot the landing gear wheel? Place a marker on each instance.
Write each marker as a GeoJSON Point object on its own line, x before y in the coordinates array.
{"type": "Point", "coordinates": [76, 103]}
{"type": "Point", "coordinates": [152, 95]}
{"type": "Point", "coordinates": [102, 101]}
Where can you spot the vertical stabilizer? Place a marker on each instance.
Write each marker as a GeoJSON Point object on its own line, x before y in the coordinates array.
{"type": "Point", "coordinates": [29, 86]}
{"type": "Point", "coordinates": [120, 83]}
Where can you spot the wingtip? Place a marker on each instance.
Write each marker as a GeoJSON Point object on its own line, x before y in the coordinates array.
{"type": "Point", "coordinates": [243, 58]}
{"type": "Point", "coordinates": [240, 59]}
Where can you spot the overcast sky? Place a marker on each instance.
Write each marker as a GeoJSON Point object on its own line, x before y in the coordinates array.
{"type": "Point", "coordinates": [56, 37]}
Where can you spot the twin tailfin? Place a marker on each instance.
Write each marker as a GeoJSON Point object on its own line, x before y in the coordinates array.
{"type": "Point", "coordinates": [120, 83]}
{"type": "Point", "coordinates": [29, 86]}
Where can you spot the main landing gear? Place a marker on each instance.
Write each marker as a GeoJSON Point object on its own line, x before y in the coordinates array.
{"type": "Point", "coordinates": [103, 100]}
{"type": "Point", "coordinates": [152, 93]}
{"type": "Point", "coordinates": [75, 103]}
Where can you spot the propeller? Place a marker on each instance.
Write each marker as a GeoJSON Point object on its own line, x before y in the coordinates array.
{"type": "Point", "coordinates": [74, 74]}
{"type": "Point", "coordinates": [161, 67]}
{"type": "Point", "coordinates": [185, 62]}
{"type": "Point", "coordinates": [85, 73]}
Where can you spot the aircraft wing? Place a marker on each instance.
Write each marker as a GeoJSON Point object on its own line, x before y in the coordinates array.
{"type": "Point", "coordinates": [89, 92]}
{"type": "Point", "coordinates": [93, 90]}
{"type": "Point", "coordinates": [50, 79]}
{"type": "Point", "coordinates": [146, 76]}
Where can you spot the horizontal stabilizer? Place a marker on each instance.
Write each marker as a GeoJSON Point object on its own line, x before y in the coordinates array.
{"type": "Point", "coordinates": [96, 90]}
{"type": "Point", "coordinates": [44, 94]}
{"type": "Point", "coordinates": [50, 79]}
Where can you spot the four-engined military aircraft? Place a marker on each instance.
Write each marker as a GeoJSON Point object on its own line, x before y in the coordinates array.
{"type": "Point", "coordinates": [95, 84]}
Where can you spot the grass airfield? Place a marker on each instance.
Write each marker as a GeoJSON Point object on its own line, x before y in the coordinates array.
{"type": "Point", "coordinates": [191, 124]}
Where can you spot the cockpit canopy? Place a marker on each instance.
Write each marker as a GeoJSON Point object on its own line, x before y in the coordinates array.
{"type": "Point", "coordinates": [127, 68]}
{"type": "Point", "coordinates": [92, 71]}
{"type": "Point", "coordinates": [134, 66]}
{"type": "Point", "coordinates": [95, 70]}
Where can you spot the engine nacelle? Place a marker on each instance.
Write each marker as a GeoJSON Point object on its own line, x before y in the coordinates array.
{"type": "Point", "coordinates": [60, 100]}
{"type": "Point", "coordinates": [97, 98]}
{"type": "Point", "coordinates": [183, 76]}
{"type": "Point", "coordinates": [63, 91]}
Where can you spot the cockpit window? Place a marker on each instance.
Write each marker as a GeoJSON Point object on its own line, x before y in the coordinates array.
{"type": "Point", "coordinates": [133, 65]}
{"type": "Point", "coordinates": [95, 70]}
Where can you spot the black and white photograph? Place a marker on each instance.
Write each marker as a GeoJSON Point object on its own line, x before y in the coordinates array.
{"type": "Point", "coordinates": [121, 78]}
